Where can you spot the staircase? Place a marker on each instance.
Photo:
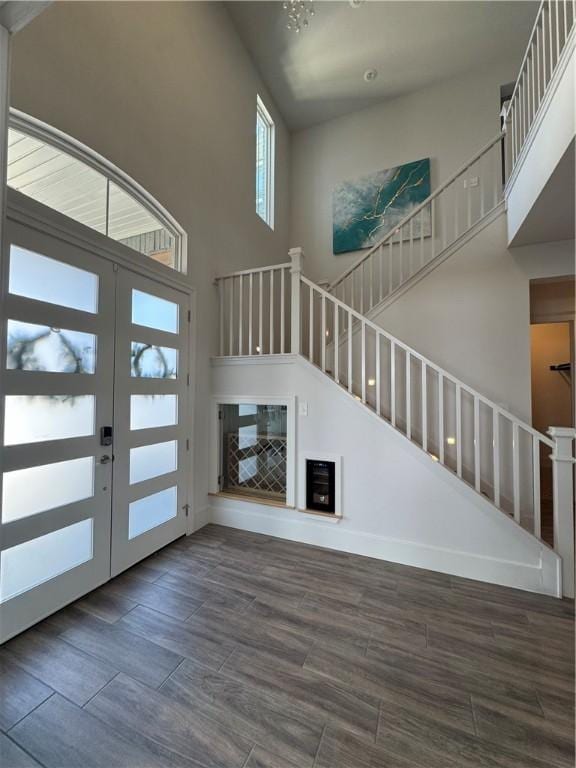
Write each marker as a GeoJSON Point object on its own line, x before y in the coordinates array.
{"type": "Point", "coordinates": [276, 310]}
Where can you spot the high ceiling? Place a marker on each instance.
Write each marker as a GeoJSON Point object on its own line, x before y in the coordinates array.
{"type": "Point", "coordinates": [317, 75]}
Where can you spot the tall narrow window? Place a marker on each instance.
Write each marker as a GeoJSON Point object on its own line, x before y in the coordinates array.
{"type": "Point", "coordinates": [264, 164]}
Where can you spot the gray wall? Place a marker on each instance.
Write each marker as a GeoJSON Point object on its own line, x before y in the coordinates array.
{"type": "Point", "coordinates": [167, 92]}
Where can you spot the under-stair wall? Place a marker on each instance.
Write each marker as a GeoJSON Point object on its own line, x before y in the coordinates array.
{"type": "Point", "coordinates": [397, 504]}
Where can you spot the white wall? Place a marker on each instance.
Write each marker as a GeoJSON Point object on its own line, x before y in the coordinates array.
{"type": "Point", "coordinates": [397, 503]}
{"type": "Point", "coordinates": [167, 92]}
{"type": "Point", "coordinates": [448, 122]}
{"type": "Point", "coordinates": [471, 315]}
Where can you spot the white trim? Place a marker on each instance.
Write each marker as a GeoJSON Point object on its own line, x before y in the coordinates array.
{"type": "Point", "coordinates": [25, 210]}
{"type": "Point", "coordinates": [290, 402]}
{"type": "Point", "coordinates": [270, 161]}
{"type": "Point", "coordinates": [319, 455]}
{"type": "Point", "coordinates": [31, 126]}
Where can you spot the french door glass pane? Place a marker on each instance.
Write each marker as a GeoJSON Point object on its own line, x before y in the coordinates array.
{"type": "Point", "coordinates": [55, 350]}
{"type": "Point", "coordinates": [151, 511]}
{"type": "Point", "coordinates": [34, 419]}
{"type": "Point", "coordinates": [33, 562]}
{"type": "Point", "coordinates": [152, 362]}
{"type": "Point", "coordinates": [148, 411]}
{"type": "Point", "coordinates": [152, 460]}
{"type": "Point", "coordinates": [37, 489]}
{"type": "Point", "coordinates": [154, 312]}
{"type": "Point", "coordinates": [44, 279]}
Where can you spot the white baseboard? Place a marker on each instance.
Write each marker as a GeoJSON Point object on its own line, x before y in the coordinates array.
{"type": "Point", "coordinates": [292, 525]}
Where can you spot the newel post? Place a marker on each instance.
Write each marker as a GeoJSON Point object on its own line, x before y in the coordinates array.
{"type": "Point", "coordinates": [563, 495]}
{"type": "Point", "coordinates": [297, 262]}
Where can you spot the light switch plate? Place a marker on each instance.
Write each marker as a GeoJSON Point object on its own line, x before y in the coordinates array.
{"type": "Point", "coordinates": [303, 408]}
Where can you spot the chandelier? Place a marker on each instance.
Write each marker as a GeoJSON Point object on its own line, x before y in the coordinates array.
{"type": "Point", "coordinates": [299, 13]}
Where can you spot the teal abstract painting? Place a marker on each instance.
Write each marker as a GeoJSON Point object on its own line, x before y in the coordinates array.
{"type": "Point", "coordinates": [366, 209]}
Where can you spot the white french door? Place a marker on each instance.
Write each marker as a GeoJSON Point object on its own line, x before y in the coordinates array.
{"type": "Point", "coordinates": [150, 424]}
{"type": "Point", "coordinates": [93, 466]}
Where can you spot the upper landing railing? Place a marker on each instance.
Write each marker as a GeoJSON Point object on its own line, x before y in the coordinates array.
{"type": "Point", "coordinates": [552, 30]}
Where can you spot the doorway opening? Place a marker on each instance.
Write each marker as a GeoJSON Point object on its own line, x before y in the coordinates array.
{"type": "Point", "coordinates": [552, 372]}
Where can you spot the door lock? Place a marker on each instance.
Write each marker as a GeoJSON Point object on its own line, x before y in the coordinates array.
{"type": "Point", "coordinates": [106, 459]}
{"type": "Point", "coordinates": [106, 434]}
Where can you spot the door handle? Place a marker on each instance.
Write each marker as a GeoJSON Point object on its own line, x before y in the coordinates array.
{"type": "Point", "coordinates": [106, 459]}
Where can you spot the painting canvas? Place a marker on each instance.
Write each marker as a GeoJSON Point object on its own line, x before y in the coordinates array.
{"type": "Point", "coordinates": [366, 209]}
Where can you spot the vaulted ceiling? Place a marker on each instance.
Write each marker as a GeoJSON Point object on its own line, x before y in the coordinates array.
{"type": "Point", "coordinates": [317, 75]}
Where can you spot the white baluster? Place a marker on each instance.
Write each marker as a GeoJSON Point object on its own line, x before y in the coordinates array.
{"type": "Point", "coordinates": [271, 311]}
{"type": "Point", "coordinates": [260, 318]}
{"type": "Point", "coordinates": [323, 338]}
{"type": "Point", "coordinates": [496, 455]}
{"type": "Point", "coordinates": [311, 325]}
{"type": "Point", "coordinates": [441, 418]}
{"type": "Point", "coordinates": [371, 281]}
{"type": "Point", "coordinates": [477, 444]}
{"type": "Point", "coordinates": [363, 368]}
{"type": "Point", "coordinates": [563, 494]}
{"type": "Point", "coordinates": [250, 306]}
{"type": "Point", "coordinates": [458, 430]}
{"type": "Point", "coordinates": [380, 259]}
{"type": "Point", "coordinates": [516, 470]}
{"type": "Point", "coordinates": [231, 317]}
{"type": "Point", "coordinates": [393, 383]}
{"type": "Point", "coordinates": [424, 395]}
{"type": "Point", "coordinates": [282, 312]}
{"type": "Point", "coordinates": [241, 315]}
{"type": "Point", "coordinates": [536, 500]}
{"type": "Point", "coordinates": [378, 393]}
{"type": "Point", "coordinates": [408, 395]}
{"type": "Point", "coordinates": [221, 299]}
{"type": "Point", "coordinates": [297, 259]}
{"type": "Point", "coordinates": [336, 343]}
{"type": "Point", "coordinates": [350, 352]}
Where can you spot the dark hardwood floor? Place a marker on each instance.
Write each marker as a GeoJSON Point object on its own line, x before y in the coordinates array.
{"type": "Point", "coordinates": [233, 650]}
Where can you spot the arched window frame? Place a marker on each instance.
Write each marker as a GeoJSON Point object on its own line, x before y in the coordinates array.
{"type": "Point", "coordinates": [31, 126]}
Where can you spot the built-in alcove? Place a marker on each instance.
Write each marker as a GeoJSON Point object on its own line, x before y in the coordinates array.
{"type": "Point", "coordinates": [254, 449]}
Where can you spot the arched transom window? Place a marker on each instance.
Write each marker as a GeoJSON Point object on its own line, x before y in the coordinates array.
{"type": "Point", "coordinates": [65, 175]}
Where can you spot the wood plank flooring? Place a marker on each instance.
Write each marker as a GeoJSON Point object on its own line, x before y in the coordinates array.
{"type": "Point", "coordinates": [233, 650]}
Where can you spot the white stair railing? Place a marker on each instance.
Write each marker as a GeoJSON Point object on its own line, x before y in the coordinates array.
{"type": "Point", "coordinates": [277, 310]}
{"type": "Point", "coordinates": [554, 23]}
{"type": "Point", "coordinates": [426, 232]}
{"type": "Point", "coordinates": [499, 455]}
{"type": "Point", "coordinates": [255, 311]}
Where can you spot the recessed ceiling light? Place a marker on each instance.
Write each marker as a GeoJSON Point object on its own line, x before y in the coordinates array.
{"type": "Point", "coordinates": [370, 75]}
{"type": "Point", "coordinates": [355, 3]}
